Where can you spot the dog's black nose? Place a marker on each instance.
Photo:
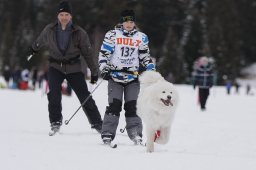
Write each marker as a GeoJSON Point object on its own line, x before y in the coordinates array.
{"type": "Point", "coordinates": [169, 97]}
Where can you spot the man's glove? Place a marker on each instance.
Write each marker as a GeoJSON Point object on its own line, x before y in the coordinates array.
{"type": "Point", "coordinates": [105, 73]}
{"type": "Point", "coordinates": [31, 51]}
{"type": "Point", "coordinates": [94, 79]}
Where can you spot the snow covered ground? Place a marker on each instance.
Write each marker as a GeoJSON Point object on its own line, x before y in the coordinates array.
{"type": "Point", "coordinates": [221, 138]}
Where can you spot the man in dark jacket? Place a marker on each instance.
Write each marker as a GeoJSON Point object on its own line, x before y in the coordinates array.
{"type": "Point", "coordinates": [66, 43]}
{"type": "Point", "coordinates": [203, 78]}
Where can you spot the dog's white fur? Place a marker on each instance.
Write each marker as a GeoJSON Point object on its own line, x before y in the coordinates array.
{"type": "Point", "coordinates": [156, 114]}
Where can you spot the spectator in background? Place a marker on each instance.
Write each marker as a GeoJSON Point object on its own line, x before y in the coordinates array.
{"type": "Point", "coordinates": [248, 89]}
{"type": "Point", "coordinates": [7, 74]}
{"type": "Point", "coordinates": [16, 77]}
{"type": "Point", "coordinates": [228, 86]}
{"type": "Point", "coordinates": [237, 86]}
{"type": "Point", "coordinates": [23, 85]}
{"type": "Point", "coordinates": [202, 77]}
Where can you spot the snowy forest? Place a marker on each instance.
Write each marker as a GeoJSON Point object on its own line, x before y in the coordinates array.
{"type": "Point", "coordinates": [179, 31]}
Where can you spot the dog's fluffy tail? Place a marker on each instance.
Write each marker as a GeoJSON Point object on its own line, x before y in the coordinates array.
{"type": "Point", "coordinates": [150, 77]}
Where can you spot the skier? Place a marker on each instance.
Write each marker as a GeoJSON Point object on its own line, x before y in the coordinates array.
{"type": "Point", "coordinates": [122, 52]}
{"type": "Point", "coordinates": [66, 43]}
{"type": "Point", "coordinates": [203, 78]}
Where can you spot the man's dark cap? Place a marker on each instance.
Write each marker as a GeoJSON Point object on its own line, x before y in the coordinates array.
{"type": "Point", "coordinates": [64, 6]}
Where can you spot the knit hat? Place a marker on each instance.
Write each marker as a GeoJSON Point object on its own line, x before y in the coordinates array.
{"type": "Point", "coordinates": [127, 15]}
{"type": "Point", "coordinates": [64, 6]}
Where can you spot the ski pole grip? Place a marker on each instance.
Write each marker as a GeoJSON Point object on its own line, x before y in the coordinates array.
{"type": "Point", "coordinates": [66, 122]}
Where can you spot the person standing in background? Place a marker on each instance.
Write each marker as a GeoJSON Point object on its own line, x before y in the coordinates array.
{"type": "Point", "coordinates": [202, 77]}
{"type": "Point", "coordinates": [229, 86]}
{"type": "Point", "coordinates": [7, 75]}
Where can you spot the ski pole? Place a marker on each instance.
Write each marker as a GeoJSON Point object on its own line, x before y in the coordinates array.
{"type": "Point", "coordinates": [122, 130]}
{"type": "Point", "coordinates": [67, 121]}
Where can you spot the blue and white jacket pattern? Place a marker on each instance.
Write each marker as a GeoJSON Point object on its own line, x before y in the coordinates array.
{"type": "Point", "coordinates": [124, 52]}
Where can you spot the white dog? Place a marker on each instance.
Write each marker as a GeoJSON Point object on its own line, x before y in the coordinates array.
{"type": "Point", "coordinates": [156, 105]}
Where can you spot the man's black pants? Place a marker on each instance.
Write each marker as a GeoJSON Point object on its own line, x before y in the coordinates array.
{"type": "Point", "coordinates": [78, 84]}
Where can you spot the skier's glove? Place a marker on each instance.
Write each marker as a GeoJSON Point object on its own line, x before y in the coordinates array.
{"type": "Point", "coordinates": [94, 79]}
{"type": "Point", "coordinates": [105, 73]}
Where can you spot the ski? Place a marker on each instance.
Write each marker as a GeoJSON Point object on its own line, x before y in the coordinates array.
{"type": "Point", "coordinates": [52, 133]}
{"type": "Point", "coordinates": [111, 145]}
{"type": "Point", "coordinates": [107, 140]}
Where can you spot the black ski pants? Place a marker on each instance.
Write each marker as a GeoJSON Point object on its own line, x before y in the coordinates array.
{"type": "Point", "coordinates": [203, 95]}
{"type": "Point", "coordinates": [78, 84]}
